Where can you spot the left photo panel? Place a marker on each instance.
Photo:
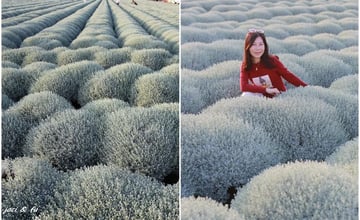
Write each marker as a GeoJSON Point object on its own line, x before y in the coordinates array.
{"type": "Point", "coordinates": [90, 109]}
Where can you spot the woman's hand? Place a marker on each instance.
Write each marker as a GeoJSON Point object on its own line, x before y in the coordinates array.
{"type": "Point", "coordinates": [272, 91]}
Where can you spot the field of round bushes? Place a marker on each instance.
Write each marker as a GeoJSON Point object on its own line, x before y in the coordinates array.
{"type": "Point", "coordinates": [291, 157]}
{"type": "Point", "coordinates": [90, 110]}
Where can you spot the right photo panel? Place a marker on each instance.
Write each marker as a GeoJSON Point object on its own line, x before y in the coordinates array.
{"type": "Point", "coordinates": [269, 109]}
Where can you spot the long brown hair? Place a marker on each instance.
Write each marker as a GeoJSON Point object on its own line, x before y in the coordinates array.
{"type": "Point", "coordinates": [265, 58]}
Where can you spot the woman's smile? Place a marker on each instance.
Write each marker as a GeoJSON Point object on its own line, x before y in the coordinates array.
{"type": "Point", "coordinates": [258, 47]}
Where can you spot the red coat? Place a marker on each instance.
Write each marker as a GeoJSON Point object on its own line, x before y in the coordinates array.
{"type": "Point", "coordinates": [259, 77]}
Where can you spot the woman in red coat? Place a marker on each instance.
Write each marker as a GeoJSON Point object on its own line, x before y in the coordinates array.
{"type": "Point", "coordinates": [261, 73]}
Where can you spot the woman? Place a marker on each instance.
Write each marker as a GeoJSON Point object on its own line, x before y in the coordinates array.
{"type": "Point", "coordinates": [261, 73]}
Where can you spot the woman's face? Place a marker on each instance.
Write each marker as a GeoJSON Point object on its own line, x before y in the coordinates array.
{"type": "Point", "coordinates": [257, 49]}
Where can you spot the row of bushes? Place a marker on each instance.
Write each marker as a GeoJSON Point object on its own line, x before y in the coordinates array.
{"type": "Point", "coordinates": [98, 30]}
{"type": "Point", "coordinates": [13, 36]}
{"type": "Point", "coordinates": [297, 190]}
{"type": "Point", "coordinates": [64, 31]}
{"type": "Point", "coordinates": [229, 29]}
{"type": "Point", "coordinates": [17, 15]}
{"type": "Point", "coordinates": [98, 192]}
{"type": "Point", "coordinates": [131, 33]}
{"type": "Point", "coordinates": [156, 27]}
{"type": "Point", "coordinates": [199, 56]}
{"type": "Point", "coordinates": [234, 139]}
{"type": "Point", "coordinates": [47, 126]}
{"type": "Point", "coordinates": [205, 12]}
{"type": "Point", "coordinates": [85, 81]}
{"type": "Point", "coordinates": [201, 89]}
{"type": "Point", "coordinates": [152, 57]}
{"type": "Point", "coordinates": [166, 12]}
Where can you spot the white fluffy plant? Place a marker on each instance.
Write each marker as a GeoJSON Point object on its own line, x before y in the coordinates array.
{"type": "Point", "coordinates": [300, 190]}
{"type": "Point", "coordinates": [107, 192]}
{"type": "Point", "coordinates": [69, 139]}
{"type": "Point", "coordinates": [218, 153]}
{"type": "Point", "coordinates": [152, 58]}
{"type": "Point", "coordinates": [346, 105]}
{"type": "Point", "coordinates": [143, 139]}
{"type": "Point", "coordinates": [158, 87]}
{"type": "Point", "coordinates": [323, 73]}
{"type": "Point", "coordinates": [115, 82]}
{"type": "Point", "coordinates": [202, 208]}
{"type": "Point", "coordinates": [346, 156]}
{"type": "Point", "coordinates": [18, 119]}
{"type": "Point", "coordinates": [210, 85]}
{"type": "Point", "coordinates": [15, 83]}
{"type": "Point", "coordinates": [347, 84]}
{"type": "Point", "coordinates": [66, 80]}
{"type": "Point", "coordinates": [305, 128]}
{"type": "Point", "coordinates": [27, 183]}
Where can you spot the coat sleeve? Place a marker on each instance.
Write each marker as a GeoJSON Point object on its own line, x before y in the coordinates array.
{"type": "Point", "coordinates": [286, 74]}
{"type": "Point", "coordinates": [245, 86]}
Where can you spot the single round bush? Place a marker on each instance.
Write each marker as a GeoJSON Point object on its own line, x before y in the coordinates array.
{"type": "Point", "coordinates": [25, 114]}
{"type": "Point", "coordinates": [69, 139]}
{"type": "Point", "coordinates": [66, 80]}
{"type": "Point", "coordinates": [40, 56]}
{"type": "Point", "coordinates": [72, 56]}
{"type": "Point", "coordinates": [346, 105]}
{"type": "Point", "coordinates": [113, 57]}
{"type": "Point", "coordinates": [46, 43]}
{"type": "Point", "coordinates": [348, 84]}
{"type": "Point", "coordinates": [345, 154]}
{"type": "Point", "coordinates": [104, 192]}
{"type": "Point", "coordinates": [346, 157]}
{"type": "Point", "coordinates": [140, 42]}
{"type": "Point", "coordinates": [206, 209]}
{"type": "Point", "coordinates": [27, 182]}
{"type": "Point", "coordinates": [348, 55]}
{"type": "Point", "coordinates": [325, 72]}
{"type": "Point", "coordinates": [6, 102]}
{"type": "Point", "coordinates": [305, 128]}
{"type": "Point", "coordinates": [152, 58]}
{"type": "Point", "coordinates": [348, 37]}
{"type": "Point", "coordinates": [156, 88]}
{"type": "Point", "coordinates": [38, 106]}
{"type": "Point", "coordinates": [14, 129]}
{"type": "Point", "coordinates": [307, 190]}
{"type": "Point", "coordinates": [214, 83]}
{"type": "Point", "coordinates": [37, 69]}
{"type": "Point", "coordinates": [17, 55]}
{"type": "Point", "coordinates": [327, 41]}
{"type": "Point", "coordinates": [219, 153]}
{"type": "Point", "coordinates": [144, 140]}
{"type": "Point", "coordinates": [199, 56]}
{"type": "Point", "coordinates": [299, 46]}
{"type": "Point", "coordinates": [172, 69]}
{"type": "Point", "coordinates": [15, 83]}
{"type": "Point", "coordinates": [115, 82]}
{"type": "Point", "coordinates": [326, 26]}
